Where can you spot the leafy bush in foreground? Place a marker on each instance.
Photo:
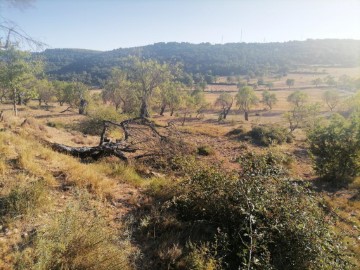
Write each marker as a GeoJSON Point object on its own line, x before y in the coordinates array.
{"type": "Point", "coordinates": [336, 148]}
{"type": "Point", "coordinates": [259, 222]}
{"type": "Point", "coordinates": [254, 220]}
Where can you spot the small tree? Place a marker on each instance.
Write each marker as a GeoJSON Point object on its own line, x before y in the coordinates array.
{"type": "Point", "coordinates": [297, 98]}
{"type": "Point", "coordinates": [269, 99]}
{"type": "Point", "coordinates": [187, 106]}
{"type": "Point", "coordinates": [245, 99]}
{"type": "Point", "coordinates": [16, 70]}
{"type": "Point", "coordinates": [302, 114]}
{"type": "Point", "coordinates": [199, 101]}
{"type": "Point", "coordinates": [147, 75]}
{"type": "Point", "coordinates": [116, 89]}
{"type": "Point", "coordinates": [169, 96]}
{"type": "Point", "coordinates": [317, 81]}
{"type": "Point", "coordinates": [45, 91]}
{"type": "Point", "coordinates": [176, 97]}
{"type": "Point", "coordinates": [59, 88]}
{"type": "Point", "coordinates": [331, 98]}
{"type": "Point", "coordinates": [336, 148]}
{"type": "Point", "coordinates": [290, 82]}
{"type": "Point", "coordinates": [269, 85]}
{"type": "Point", "coordinates": [330, 80]}
{"type": "Point", "coordinates": [225, 101]}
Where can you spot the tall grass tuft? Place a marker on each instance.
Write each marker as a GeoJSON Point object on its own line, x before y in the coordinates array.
{"type": "Point", "coordinates": [76, 239]}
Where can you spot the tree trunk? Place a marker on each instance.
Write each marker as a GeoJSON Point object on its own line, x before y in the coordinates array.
{"type": "Point", "coordinates": [39, 102]}
{"type": "Point", "coordinates": [183, 122]}
{"type": "Point", "coordinates": [226, 112]}
{"type": "Point", "coordinates": [82, 107]}
{"type": "Point", "coordinates": [171, 112]}
{"type": "Point", "coordinates": [19, 101]}
{"type": "Point", "coordinates": [246, 115]}
{"type": "Point", "coordinates": [15, 104]}
{"type": "Point", "coordinates": [162, 109]}
{"type": "Point", "coordinates": [144, 113]}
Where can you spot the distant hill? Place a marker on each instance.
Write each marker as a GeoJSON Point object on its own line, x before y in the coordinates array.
{"type": "Point", "coordinates": [205, 58]}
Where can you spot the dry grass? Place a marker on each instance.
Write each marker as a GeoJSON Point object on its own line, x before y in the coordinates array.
{"type": "Point", "coordinates": [32, 177]}
{"type": "Point", "coordinates": [201, 128]}
{"type": "Point", "coordinates": [34, 159]}
{"type": "Point", "coordinates": [77, 239]}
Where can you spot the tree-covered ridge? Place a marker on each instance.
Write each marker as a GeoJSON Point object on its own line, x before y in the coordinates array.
{"type": "Point", "coordinates": [205, 58]}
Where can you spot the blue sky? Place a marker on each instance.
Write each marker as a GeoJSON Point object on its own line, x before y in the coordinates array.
{"type": "Point", "coordinates": [111, 24]}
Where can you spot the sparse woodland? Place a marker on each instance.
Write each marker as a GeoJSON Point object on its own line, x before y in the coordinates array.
{"type": "Point", "coordinates": [161, 169]}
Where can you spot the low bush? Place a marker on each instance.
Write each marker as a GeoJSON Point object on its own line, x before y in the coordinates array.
{"type": "Point", "coordinates": [336, 148]}
{"type": "Point", "coordinates": [76, 239]}
{"type": "Point", "coordinates": [24, 199]}
{"type": "Point", "coordinates": [54, 124]}
{"type": "Point", "coordinates": [236, 132]}
{"type": "Point", "coordinates": [205, 150]}
{"type": "Point", "coordinates": [260, 222]}
{"type": "Point", "coordinates": [268, 135]}
{"type": "Point", "coordinates": [270, 163]}
{"type": "Point", "coordinates": [257, 219]}
{"type": "Point", "coordinates": [93, 124]}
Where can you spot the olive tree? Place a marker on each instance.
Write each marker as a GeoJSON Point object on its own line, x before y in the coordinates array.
{"type": "Point", "coordinates": [170, 95]}
{"type": "Point", "coordinates": [298, 98]}
{"type": "Point", "coordinates": [225, 102]}
{"type": "Point", "coordinates": [116, 89]}
{"type": "Point", "coordinates": [290, 82]}
{"type": "Point", "coordinates": [269, 99]}
{"type": "Point", "coordinates": [16, 71]}
{"type": "Point", "coordinates": [45, 92]}
{"type": "Point", "coordinates": [147, 75]}
{"type": "Point", "coordinates": [245, 99]}
{"type": "Point", "coordinates": [331, 98]}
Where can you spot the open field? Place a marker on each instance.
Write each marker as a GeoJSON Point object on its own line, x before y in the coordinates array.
{"type": "Point", "coordinates": [301, 79]}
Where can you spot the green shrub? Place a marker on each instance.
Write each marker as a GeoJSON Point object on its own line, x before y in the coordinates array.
{"type": "Point", "coordinates": [267, 164]}
{"type": "Point", "coordinates": [201, 257]}
{"type": "Point", "coordinates": [205, 150]}
{"type": "Point", "coordinates": [258, 219]}
{"type": "Point", "coordinates": [93, 124]}
{"type": "Point", "coordinates": [336, 148]}
{"type": "Point", "coordinates": [54, 124]}
{"type": "Point", "coordinates": [236, 132]}
{"type": "Point", "coordinates": [258, 222]}
{"type": "Point", "coordinates": [76, 239]}
{"type": "Point", "coordinates": [268, 135]}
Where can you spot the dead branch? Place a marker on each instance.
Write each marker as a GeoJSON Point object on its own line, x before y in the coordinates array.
{"type": "Point", "coordinates": [68, 109]}
{"type": "Point", "coordinates": [141, 139]}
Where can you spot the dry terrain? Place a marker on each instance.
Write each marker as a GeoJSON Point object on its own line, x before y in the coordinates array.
{"type": "Point", "coordinates": [123, 186]}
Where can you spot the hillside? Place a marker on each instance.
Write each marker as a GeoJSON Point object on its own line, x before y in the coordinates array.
{"type": "Point", "coordinates": [205, 58]}
{"type": "Point", "coordinates": [183, 211]}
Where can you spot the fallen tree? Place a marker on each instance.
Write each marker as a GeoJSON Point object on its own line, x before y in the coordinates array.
{"type": "Point", "coordinates": [140, 139]}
